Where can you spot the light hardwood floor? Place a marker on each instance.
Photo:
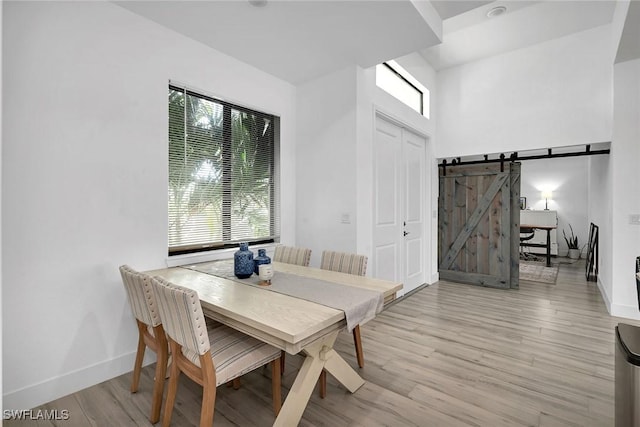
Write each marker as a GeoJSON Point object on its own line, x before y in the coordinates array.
{"type": "Point", "coordinates": [448, 355]}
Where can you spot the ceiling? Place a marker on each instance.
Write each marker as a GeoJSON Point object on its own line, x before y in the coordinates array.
{"type": "Point", "coordinates": [300, 40]}
{"type": "Point", "coordinates": [629, 47]}
{"type": "Point", "coordinates": [471, 35]}
{"type": "Point", "coordinates": [303, 39]}
{"type": "Point", "coordinates": [448, 8]}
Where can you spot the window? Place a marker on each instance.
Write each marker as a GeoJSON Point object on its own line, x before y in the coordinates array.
{"type": "Point", "coordinates": [222, 174]}
{"type": "Point", "coordinates": [396, 81]}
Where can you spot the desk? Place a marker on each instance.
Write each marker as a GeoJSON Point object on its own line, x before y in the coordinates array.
{"type": "Point", "coordinates": [289, 323]}
{"type": "Point", "coordinates": [548, 228]}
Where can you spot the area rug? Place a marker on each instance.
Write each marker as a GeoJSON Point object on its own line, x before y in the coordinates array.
{"type": "Point", "coordinates": [538, 272]}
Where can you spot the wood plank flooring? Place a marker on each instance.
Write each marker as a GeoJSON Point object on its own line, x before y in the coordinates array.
{"type": "Point", "coordinates": [448, 355]}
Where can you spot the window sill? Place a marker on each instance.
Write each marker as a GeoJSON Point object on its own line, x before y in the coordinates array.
{"type": "Point", "coordinates": [180, 260]}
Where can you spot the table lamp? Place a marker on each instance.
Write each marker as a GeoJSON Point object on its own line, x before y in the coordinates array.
{"type": "Point", "coordinates": [546, 195]}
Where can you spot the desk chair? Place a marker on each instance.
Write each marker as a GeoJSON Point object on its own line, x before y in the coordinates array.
{"type": "Point", "coordinates": [150, 333]}
{"type": "Point", "coordinates": [526, 234]}
{"type": "Point", "coordinates": [209, 357]}
{"type": "Point", "coordinates": [350, 264]}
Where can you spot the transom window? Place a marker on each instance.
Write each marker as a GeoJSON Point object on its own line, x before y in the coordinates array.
{"type": "Point", "coordinates": [396, 81]}
{"type": "Point", "coordinates": [222, 173]}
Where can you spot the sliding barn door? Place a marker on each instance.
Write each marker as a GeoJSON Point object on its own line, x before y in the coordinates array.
{"type": "Point", "coordinates": [478, 224]}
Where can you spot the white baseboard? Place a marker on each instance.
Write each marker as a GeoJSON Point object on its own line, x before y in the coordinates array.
{"type": "Point", "coordinates": [618, 310]}
{"type": "Point", "coordinates": [35, 395]}
{"type": "Point", "coordinates": [434, 278]}
{"type": "Point", "coordinates": [625, 311]}
{"type": "Point", "coordinates": [605, 296]}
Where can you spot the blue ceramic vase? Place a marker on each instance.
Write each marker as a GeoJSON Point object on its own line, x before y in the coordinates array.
{"type": "Point", "coordinates": [243, 265]}
{"type": "Point", "coordinates": [262, 258]}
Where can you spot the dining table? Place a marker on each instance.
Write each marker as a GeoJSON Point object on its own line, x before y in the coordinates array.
{"type": "Point", "coordinates": [303, 320]}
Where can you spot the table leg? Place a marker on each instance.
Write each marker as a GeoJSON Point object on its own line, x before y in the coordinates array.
{"type": "Point", "coordinates": [548, 247]}
{"type": "Point", "coordinates": [341, 371]}
{"type": "Point", "coordinates": [318, 354]}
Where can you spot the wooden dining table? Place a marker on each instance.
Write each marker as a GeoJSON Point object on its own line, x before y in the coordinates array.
{"type": "Point", "coordinates": [292, 324]}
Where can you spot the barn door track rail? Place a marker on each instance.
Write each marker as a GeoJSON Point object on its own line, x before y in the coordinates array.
{"type": "Point", "coordinates": [515, 157]}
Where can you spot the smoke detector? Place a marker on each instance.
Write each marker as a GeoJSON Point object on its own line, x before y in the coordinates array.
{"type": "Point", "coordinates": [496, 11]}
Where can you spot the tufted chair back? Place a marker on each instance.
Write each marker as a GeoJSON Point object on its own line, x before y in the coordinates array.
{"type": "Point", "coordinates": [140, 295]}
{"type": "Point", "coordinates": [291, 255]}
{"type": "Point", "coordinates": [344, 262]}
{"type": "Point", "coordinates": [182, 317]}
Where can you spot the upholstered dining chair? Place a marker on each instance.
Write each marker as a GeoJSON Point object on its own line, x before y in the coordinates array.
{"type": "Point", "coordinates": [350, 264]}
{"type": "Point", "coordinates": [209, 357]}
{"type": "Point", "coordinates": [292, 255]}
{"type": "Point", "coordinates": [150, 333]}
{"type": "Point", "coordinates": [344, 262]}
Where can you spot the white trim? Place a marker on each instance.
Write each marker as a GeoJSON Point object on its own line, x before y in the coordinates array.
{"type": "Point", "coordinates": [618, 310]}
{"type": "Point", "coordinates": [625, 311]}
{"type": "Point", "coordinates": [378, 111]}
{"type": "Point", "coordinates": [605, 295]}
{"type": "Point", "coordinates": [37, 394]}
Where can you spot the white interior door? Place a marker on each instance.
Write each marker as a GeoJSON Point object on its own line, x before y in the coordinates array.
{"type": "Point", "coordinates": [399, 194]}
{"type": "Point", "coordinates": [413, 148]}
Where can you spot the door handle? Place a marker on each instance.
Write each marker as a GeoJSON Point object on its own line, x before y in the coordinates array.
{"type": "Point", "coordinates": [406, 232]}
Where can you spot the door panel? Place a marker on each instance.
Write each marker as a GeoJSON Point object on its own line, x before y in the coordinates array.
{"type": "Point", "coordinates": [388, 268]}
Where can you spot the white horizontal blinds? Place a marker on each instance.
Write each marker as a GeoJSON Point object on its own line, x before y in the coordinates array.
{"type": "Point", "coordinates": [221, 173]}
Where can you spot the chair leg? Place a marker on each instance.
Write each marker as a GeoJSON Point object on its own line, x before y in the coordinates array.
{"type": "Point", "coordinates": [208, 405]}
{"type": "Point", "coordinates": [172, 390]}
{"type": "Point", "coordinates": [137, 366]}
{"type": "Point", "coordinates": [208, 390]}
{"type": "Point", "coordinates": [276, 385]}
{"type": "Point", "coordinates": [322, 382]}
{"type": "Point", "coordinates": [358, 342]}
{"type": "Point", "coordinates": [161, 370]}
{"type": "Point", "coordinates": [236, 383]}
{"type": "Point", "coordinates": [168, 371]}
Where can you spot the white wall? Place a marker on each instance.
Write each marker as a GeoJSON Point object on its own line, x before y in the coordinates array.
{"type": "Point", "coordinates": [85, 180]}
{"type": "Point", "coordinates": [552, 94]}
{"type": "Point", "coordinates": [568, 178]}
{"type": "Point", "coordinates": [327, 163]}
{"type": "Point", "coordinates": [1, 138]}
{"type": "Point", "coordinates": [599, 211]}
{"type": "Point", "coordinates": [625, 157]}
